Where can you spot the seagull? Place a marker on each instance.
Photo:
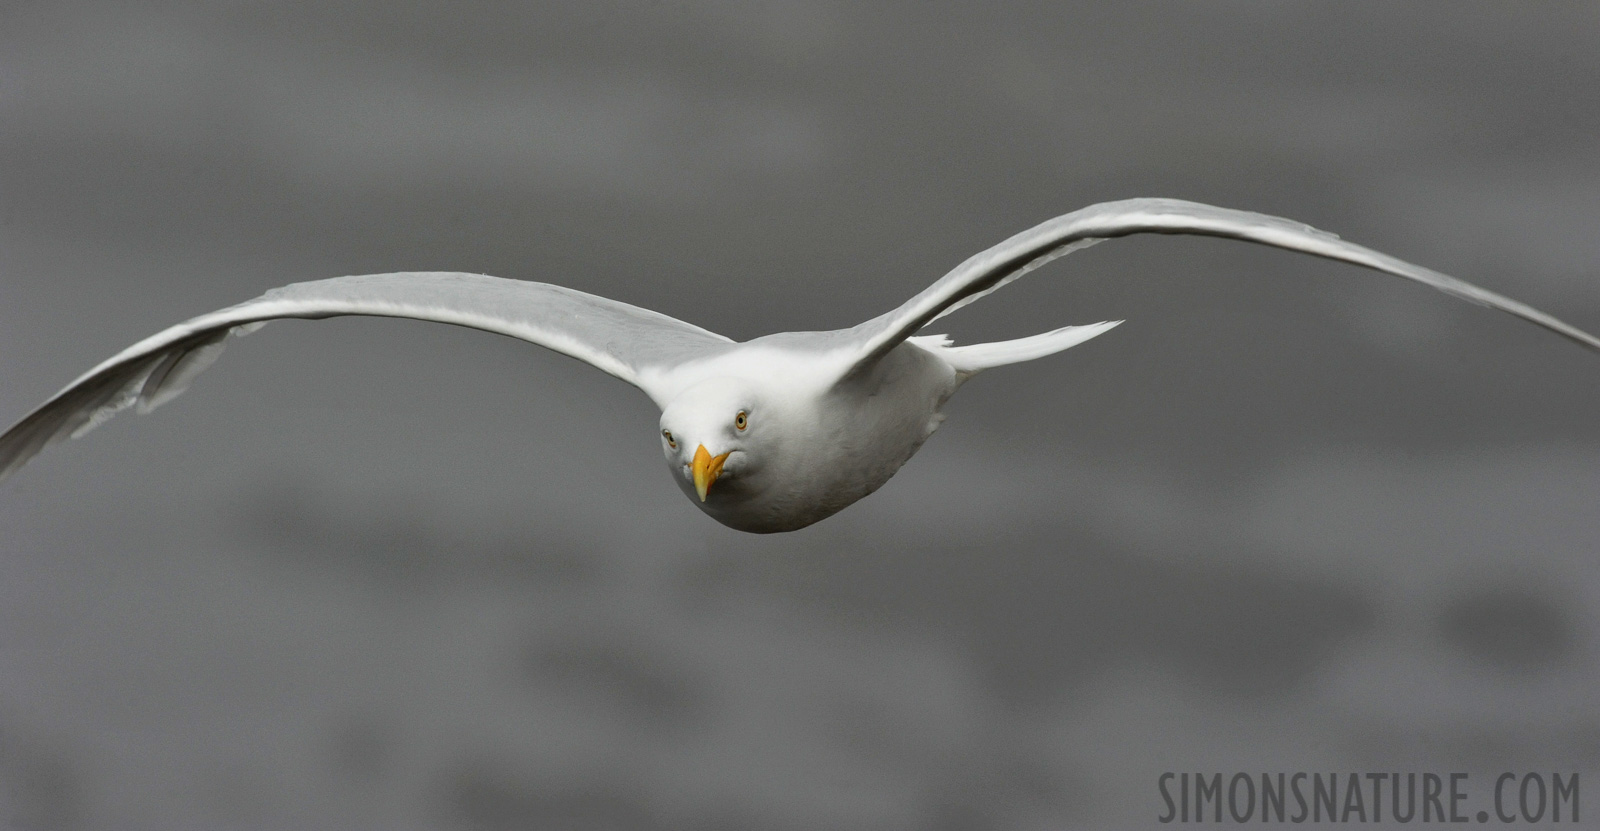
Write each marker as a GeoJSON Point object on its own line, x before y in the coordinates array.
{"type": "Point", "coordinates": [772, 434]}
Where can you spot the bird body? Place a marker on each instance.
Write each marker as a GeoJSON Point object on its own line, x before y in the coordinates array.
{"type": "Point", "coordinates": [811, 445]}
{"type": "Point", "coordinates": [769, 435]}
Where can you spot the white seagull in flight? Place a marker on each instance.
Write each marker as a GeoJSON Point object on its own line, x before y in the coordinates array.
{"type": "Point", "coordinates": [768, 435]}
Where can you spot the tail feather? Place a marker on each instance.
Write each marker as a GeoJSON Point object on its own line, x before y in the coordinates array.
{"type": "Point", "coordinates": [972, 359]}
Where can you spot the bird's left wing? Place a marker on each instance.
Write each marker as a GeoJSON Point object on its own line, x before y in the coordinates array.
{"type": "Point", "coordinates": [989, 270]}
{"type": "Point", "coordinates": [634, 344]}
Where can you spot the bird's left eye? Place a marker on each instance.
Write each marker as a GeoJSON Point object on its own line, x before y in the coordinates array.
{"type": "Point", "coordinates": [742, 420]}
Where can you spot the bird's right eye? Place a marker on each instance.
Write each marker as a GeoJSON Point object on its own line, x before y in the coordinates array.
{"type": "Point", "coordinates": [671, 442]}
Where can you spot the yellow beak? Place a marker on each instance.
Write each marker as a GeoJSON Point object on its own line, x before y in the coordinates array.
{"type": "Point", "coordinates": [706, 468]}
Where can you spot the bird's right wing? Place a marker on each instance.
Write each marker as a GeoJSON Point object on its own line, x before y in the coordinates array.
{"type": "Point", "coordinates": [634, 344]}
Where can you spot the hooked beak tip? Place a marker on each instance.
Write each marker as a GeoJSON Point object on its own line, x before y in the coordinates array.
{"type": "Point", "coordinates": [706, 468]}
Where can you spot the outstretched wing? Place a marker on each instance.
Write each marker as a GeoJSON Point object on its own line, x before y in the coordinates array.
{"type": "Point", "coordinates": [631, 343]}
{"type": "Point", "coordinates": [989, 270]}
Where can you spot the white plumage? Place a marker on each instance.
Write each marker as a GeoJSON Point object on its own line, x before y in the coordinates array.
{"type": "Point", "coordinates": [790, 427]}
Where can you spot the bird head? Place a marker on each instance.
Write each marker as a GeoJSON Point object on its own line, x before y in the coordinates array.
{"type": "Point", "coordinates": [712, 435]}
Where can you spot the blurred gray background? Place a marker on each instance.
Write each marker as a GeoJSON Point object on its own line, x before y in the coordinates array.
{"type": "Point", "coordinates": [373, 574]}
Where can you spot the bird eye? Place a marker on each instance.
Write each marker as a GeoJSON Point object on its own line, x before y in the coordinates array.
{"type": "Point", "coordinates": [742, 420]}
{"type": "Point", "coordinates": [671, 442]}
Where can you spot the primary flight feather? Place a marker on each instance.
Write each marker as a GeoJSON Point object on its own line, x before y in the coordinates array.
{"type": "Point", "coordinates": [789, 428]}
